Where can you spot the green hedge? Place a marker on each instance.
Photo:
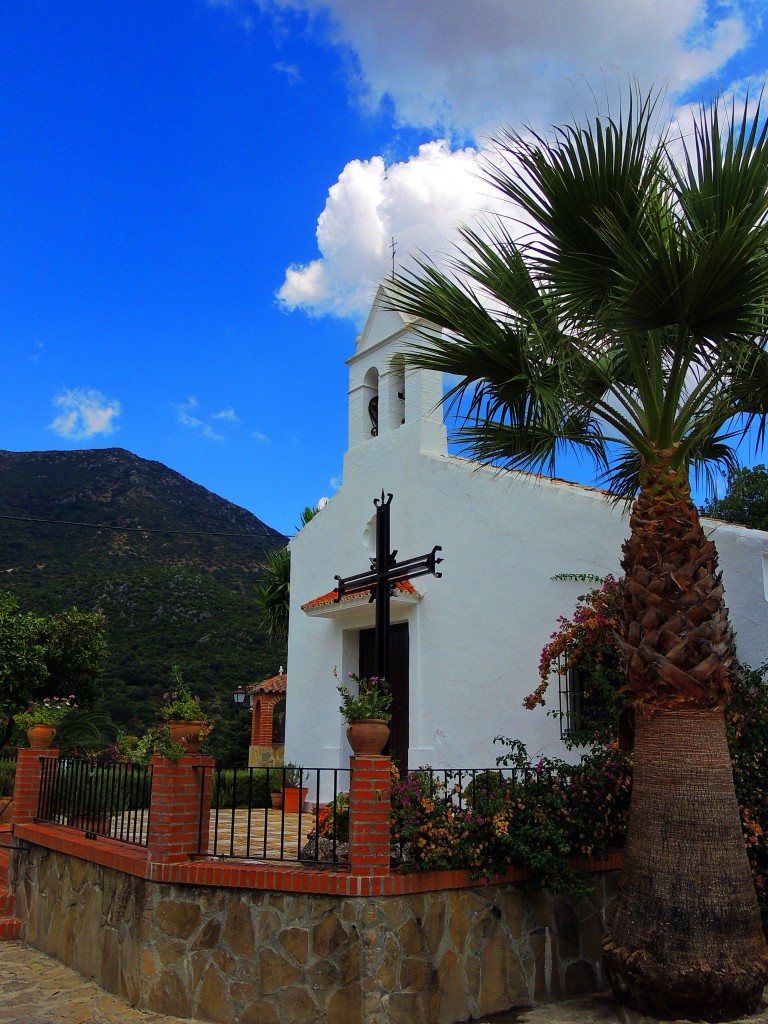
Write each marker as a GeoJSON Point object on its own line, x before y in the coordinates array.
{"type": "Point", "coordinates": [96, 787]}
{"type": "Point", "coordinates": [240, 787]}
{"type": "Point", "coordinates": [7, 775]}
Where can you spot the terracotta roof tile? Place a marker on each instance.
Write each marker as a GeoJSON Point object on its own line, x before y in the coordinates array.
{"type": "Point", "coordinates": [276, 684]}
{"type": "Point", "coordinates": [404, 587]}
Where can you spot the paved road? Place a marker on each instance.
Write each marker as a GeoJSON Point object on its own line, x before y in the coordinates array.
{"type": "Point", "coordinates": [37, 989]}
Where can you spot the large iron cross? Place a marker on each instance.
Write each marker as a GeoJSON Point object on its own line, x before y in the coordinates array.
{"type": "Point", "coordinates": [381, 578]}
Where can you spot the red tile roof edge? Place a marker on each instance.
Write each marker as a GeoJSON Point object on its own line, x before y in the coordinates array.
{"type": "Point", "coordinates": [403, 587]}
{"type": "Point", "coordinates": [275, 684]}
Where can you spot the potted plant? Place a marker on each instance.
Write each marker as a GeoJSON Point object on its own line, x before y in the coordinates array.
{"type": "Point", "coordinates": [187, 722]}
{"type": "Point", "coordinates": [294, 794]}
{"type": "Point", "coordinates": [42, 718]}
{"type": "Point", "coordinates": [367, 713]}
{"type": "Point", "coordinates": [275, 783]}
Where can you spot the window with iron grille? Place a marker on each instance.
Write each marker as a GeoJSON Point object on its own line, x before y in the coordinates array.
{"type": "Point", "coordinates": [589, 700]}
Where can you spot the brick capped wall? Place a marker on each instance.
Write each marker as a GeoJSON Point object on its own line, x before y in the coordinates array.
{"type": "Point", "coordinates": [257, 955]}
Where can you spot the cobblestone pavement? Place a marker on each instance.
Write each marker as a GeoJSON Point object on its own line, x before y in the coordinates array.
{"type": "Point", "coordinates": [37, 989]}
{"type": "Point", "coordinates": [597, 1009]}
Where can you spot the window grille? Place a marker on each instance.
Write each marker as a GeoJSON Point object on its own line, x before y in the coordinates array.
{"type": "Point", "coordinates": [583, 711]}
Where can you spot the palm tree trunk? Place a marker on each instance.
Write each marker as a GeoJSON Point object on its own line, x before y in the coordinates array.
{"type": "Point", "coordinates": [686, 939]}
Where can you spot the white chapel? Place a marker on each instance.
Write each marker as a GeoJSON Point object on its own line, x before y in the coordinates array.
{"type": "Point", "coordinates": [465, 646]}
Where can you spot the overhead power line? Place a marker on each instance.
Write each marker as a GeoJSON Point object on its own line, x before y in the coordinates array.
{"type": "Point", "coordinates": [126, 529]}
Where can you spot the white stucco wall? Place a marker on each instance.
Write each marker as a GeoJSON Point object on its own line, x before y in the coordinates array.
{"type": "Point", "coordinates": [477, 633]}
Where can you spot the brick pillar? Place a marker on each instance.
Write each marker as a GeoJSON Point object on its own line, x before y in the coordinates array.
{"type": "Point", "coordinates": [369, 810]}
{"type": "Point", "coordinates": [268, 705]}
{"type": "Point", "coordinates": [26, 789]}
{"type": "Point", "coordinates": [181, 801]}
{"type": "Point", "coordinates": [256, 712]}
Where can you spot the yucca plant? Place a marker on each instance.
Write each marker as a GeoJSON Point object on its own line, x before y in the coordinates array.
{"type": "Point", "coordinates": [629, 326]}
{"type": "Point", "coordinates": [273, 594]}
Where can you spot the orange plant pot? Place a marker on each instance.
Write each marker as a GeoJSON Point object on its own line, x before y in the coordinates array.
{"type": "Point", "coordinates": [368, 735]}
{"type": "Point", "coordinates": [294, 798]}
{"type": "Point", "coordinates": [40, 737]}
{"type": "Point", "coordinates": [187, 734]}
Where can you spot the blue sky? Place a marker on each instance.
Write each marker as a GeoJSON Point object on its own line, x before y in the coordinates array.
{"type": "Point", "coordinates": [197, 199]}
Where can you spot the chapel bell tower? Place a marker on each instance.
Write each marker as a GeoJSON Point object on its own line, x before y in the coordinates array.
{"type": "Point", "coordinates": [390, 403]}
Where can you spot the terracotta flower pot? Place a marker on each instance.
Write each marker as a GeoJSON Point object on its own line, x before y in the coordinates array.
{"type": "Point", "coordinates": [294, 798]}
{"type": "Point", "coordinates": [187, 734]}
{"type": "Point", "coordinates": [368, 735]}
{"type": "Point", "coordinates": [40, 737]}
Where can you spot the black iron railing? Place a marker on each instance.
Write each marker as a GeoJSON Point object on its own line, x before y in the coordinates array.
{"type": "Point", "coordinates": [97, 797]}
{"type": "Point", "coordinates": [465, 788]}
{"type": "Point", "coordinates": [277, 813]}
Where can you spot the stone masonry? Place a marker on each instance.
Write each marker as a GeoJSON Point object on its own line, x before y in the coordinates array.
{"type": "Point", "coordinates": [261, 957]}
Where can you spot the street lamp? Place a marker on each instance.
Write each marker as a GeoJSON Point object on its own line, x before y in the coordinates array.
{"type": "Point", "coordinates": [239, 696]}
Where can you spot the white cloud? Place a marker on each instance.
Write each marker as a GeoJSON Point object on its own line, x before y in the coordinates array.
{"type": "Point", "coordinates": [184, 411]}
{"type": "Point", "coordinates": [463, 68]}
{"type": "Point", "coordinates": [290, 71]}
{"type": "Point", "coordinates": [419, 202]}
{"type": "Point", "coordinates": [261, 437]}
{"type": "Point", "coordinates": [85, 412]}
{"type": "Point", "coordinates": [226, 414]}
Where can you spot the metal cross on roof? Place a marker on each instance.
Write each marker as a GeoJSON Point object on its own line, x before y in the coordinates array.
{"type": "Point", "coordinates": [381, 578]}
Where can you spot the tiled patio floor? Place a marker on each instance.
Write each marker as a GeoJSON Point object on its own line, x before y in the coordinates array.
{"type": "Point", "coordinates": [244, 835]}
{"type": "Point", "coordinates": [261, 835]}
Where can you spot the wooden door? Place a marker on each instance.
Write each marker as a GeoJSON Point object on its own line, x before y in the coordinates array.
{"type": "Point", "coordinates": [399, 730]}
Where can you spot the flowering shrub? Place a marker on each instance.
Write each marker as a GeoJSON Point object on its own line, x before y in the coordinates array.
{"type": "Point", "coordinates": [48, 711]}
{"type": "Point", "coordinates": [372, 700]}
{"type": "Point", "coordinates": [180, 704]}
{"type": "Point", "coordinates": [746, 723]}
{"type": "Point", "coordinates": [421, 820]}
{"type": "Point", "coordinates": [586, 642]}
{"type": "Point", "coordinates": [334, 818]}
{"type": "Point", "coordinates": [541, 817]}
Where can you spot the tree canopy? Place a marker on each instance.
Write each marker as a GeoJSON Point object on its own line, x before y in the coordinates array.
{"type": "Point", "coordinates": [746, 500]}
{"type": "Point", "coordinates": [47, 656]}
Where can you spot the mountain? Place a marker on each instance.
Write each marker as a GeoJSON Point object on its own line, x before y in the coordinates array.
{"type": "Point", "coordinates": [172, 566]}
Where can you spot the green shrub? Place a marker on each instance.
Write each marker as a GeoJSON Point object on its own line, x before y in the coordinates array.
{"type": "Point", "coordinates": [82, 787]}
{"type": "Point", "coordinates": [746, 722]}
{"type": "Point", "coordinates": [483, 788]}
{"type": "Point", "coordinates": [243, 787]}
{"type": "Point", "coordinates": [7, 776]}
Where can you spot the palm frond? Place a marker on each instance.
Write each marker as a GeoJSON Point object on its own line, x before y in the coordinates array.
{"type": "Point", "coordinates": [274, 592]}
{"type": "Point", "coordinates": [631, 320]}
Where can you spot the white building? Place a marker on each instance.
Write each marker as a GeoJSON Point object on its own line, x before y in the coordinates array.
{"type": "Point", "coordinates": [467, 645]}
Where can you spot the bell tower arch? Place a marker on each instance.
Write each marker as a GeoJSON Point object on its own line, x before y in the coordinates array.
{"type": "Point", "coordinates": [387, 397]}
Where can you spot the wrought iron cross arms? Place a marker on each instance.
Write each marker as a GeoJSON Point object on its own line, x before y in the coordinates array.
{"type": "Point", "coordinates": [385, 570]}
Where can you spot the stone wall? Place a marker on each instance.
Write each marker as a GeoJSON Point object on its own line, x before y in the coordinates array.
{"type": "Point", "coordinates": [261, 957]}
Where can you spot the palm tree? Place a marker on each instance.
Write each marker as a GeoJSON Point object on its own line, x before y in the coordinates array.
{"type": "Point", "coordinates": [273, 596]}
{"type": "Point", "coordinates": [628, 326]}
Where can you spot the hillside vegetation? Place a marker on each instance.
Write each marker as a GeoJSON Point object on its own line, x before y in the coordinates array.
{"type": "Point", "coordinates": [173, 568]}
